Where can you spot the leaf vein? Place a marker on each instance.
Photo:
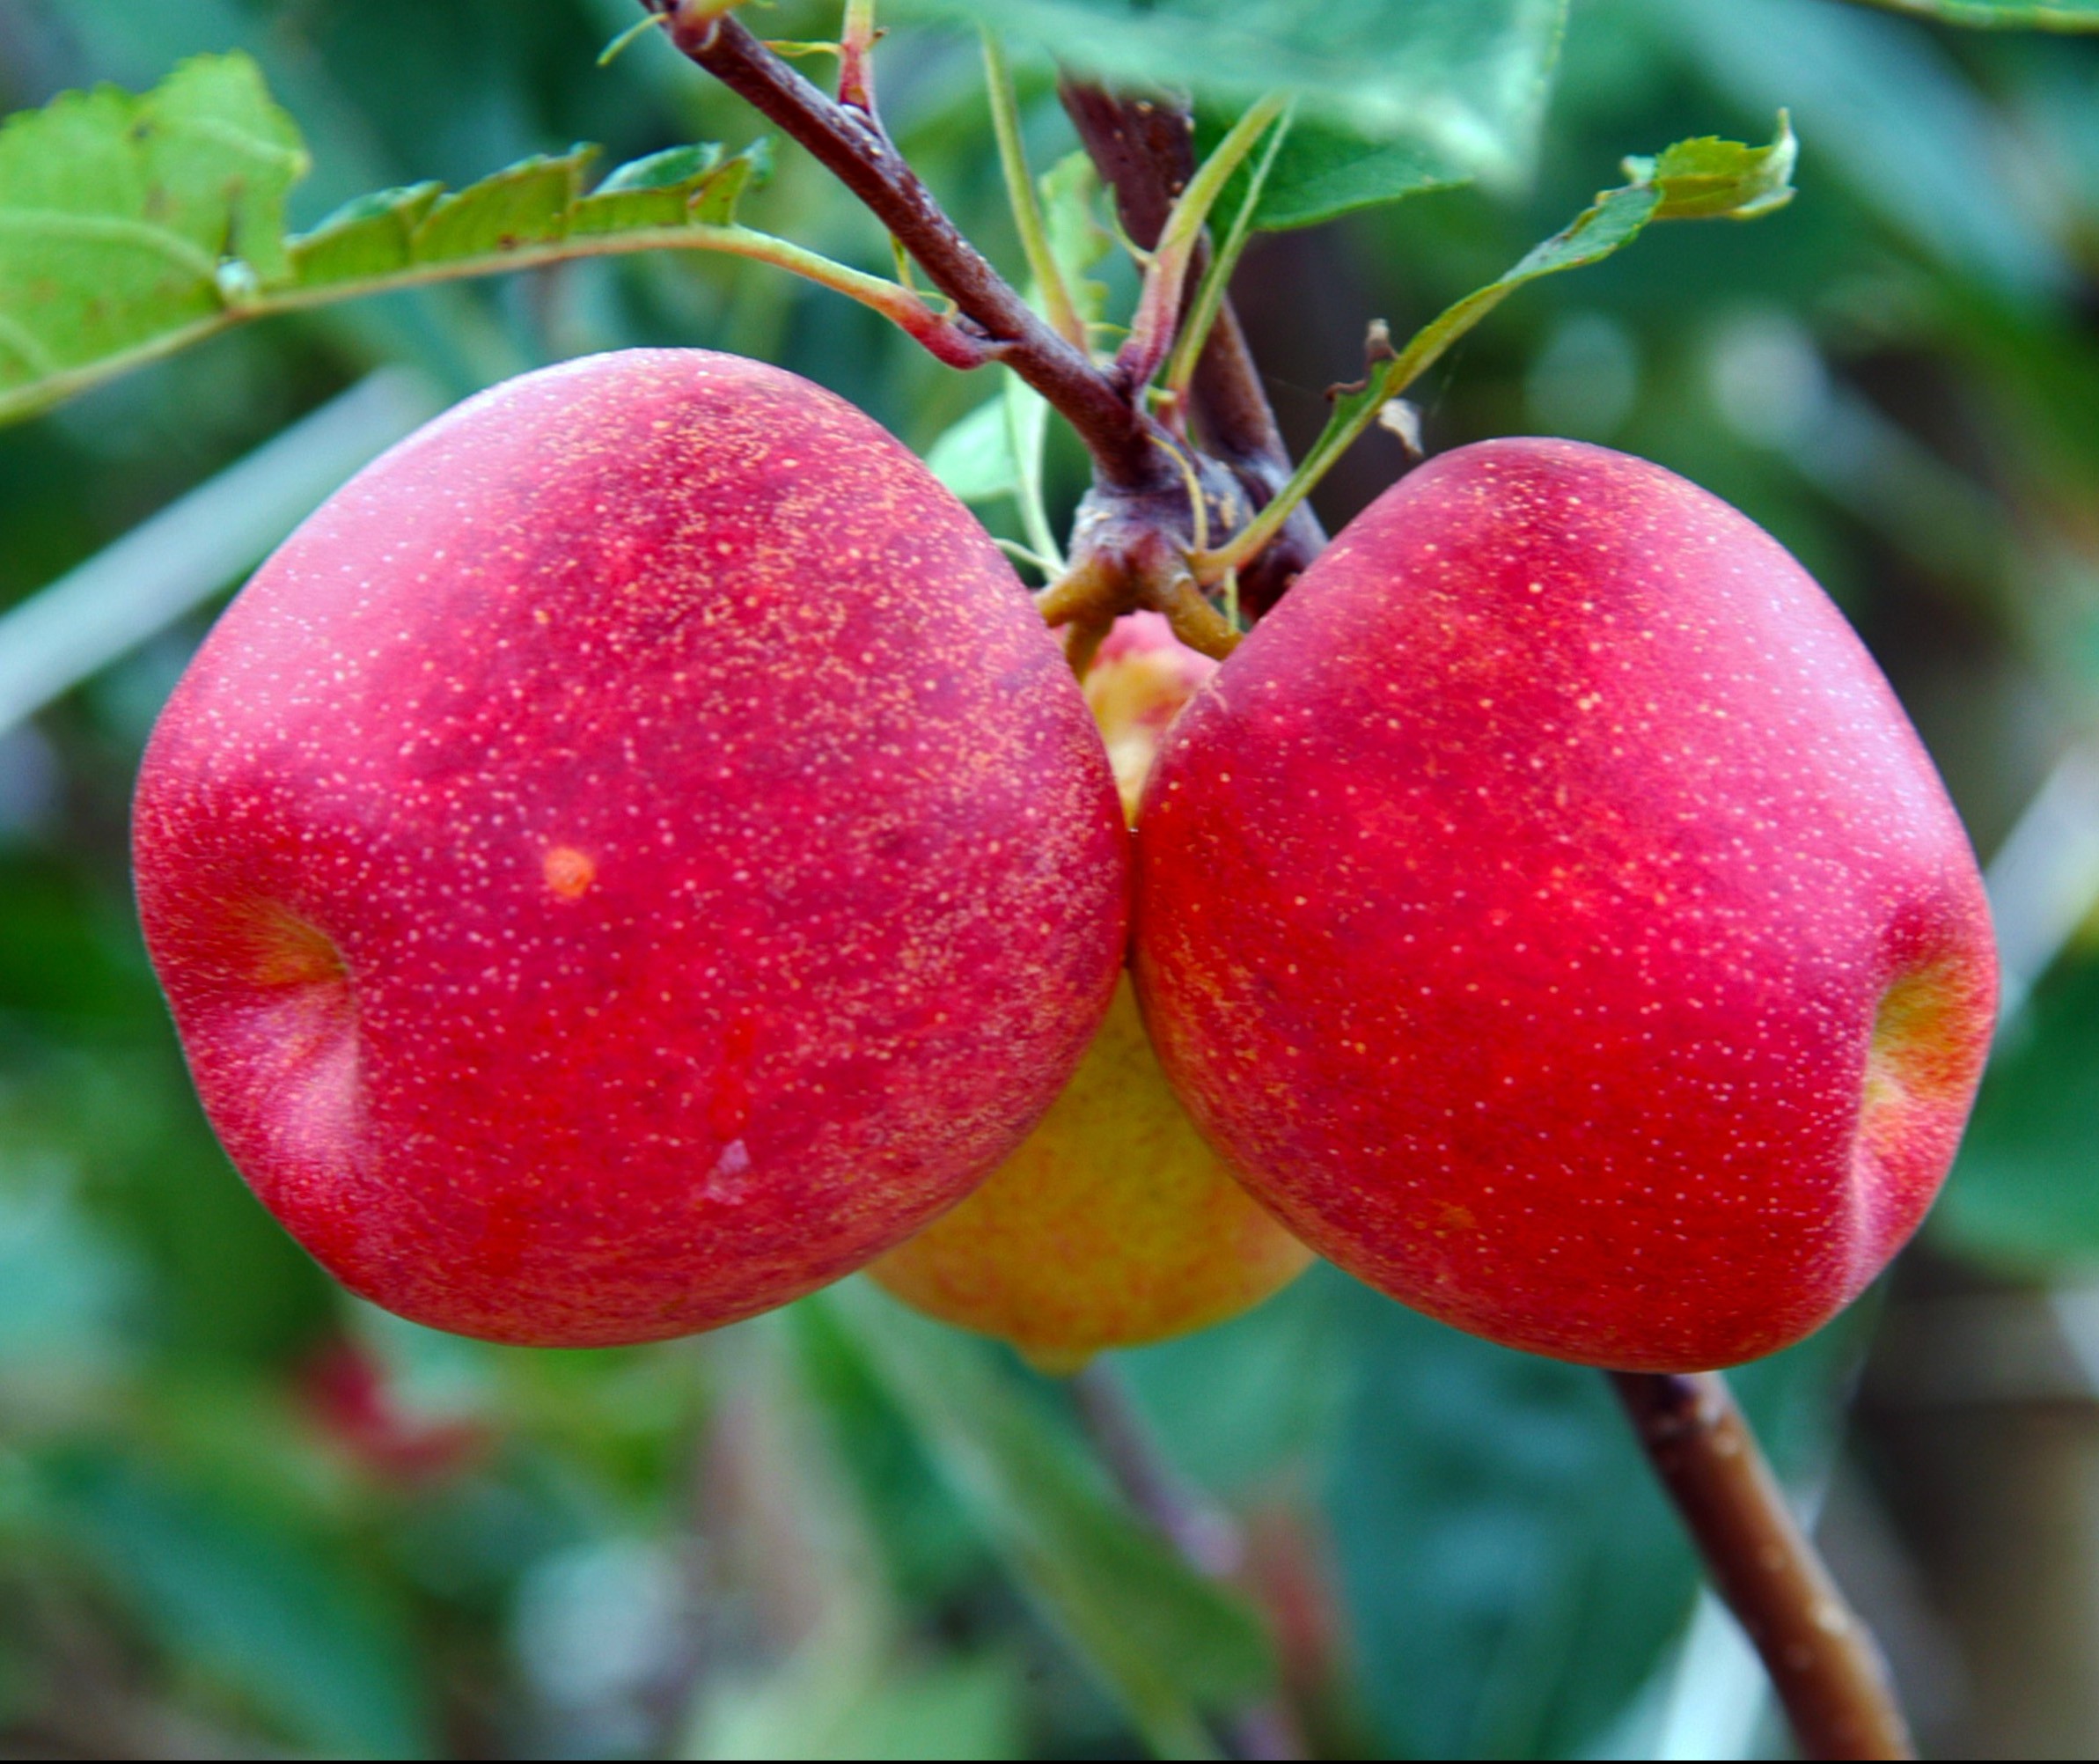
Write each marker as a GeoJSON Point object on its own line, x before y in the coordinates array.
{"type": "Point", "coordinates": [110, 228]}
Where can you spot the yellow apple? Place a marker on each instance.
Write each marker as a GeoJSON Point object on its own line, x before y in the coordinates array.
{"type": "Point", "coordinates": [1113, 1225]}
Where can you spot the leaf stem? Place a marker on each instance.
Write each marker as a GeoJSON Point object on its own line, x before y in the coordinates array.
{"type": "Point", "coordinates": [1026, 439]}
{"type": "Point", "coordinates": [1705, 179]}
{"type": "Point", "coordinates": [1388, 378]}
{"type": "Point", "coordinates": [1159, 302]}
{"type": "Point", "coordinates": [1022, 198]}
{"type": "Point", "coordinates": [938, 332]}
{"type": "Point", "coordinates": [1615, 219]}
{"type": "Point", "coordinates": [618, 46]}
{"type": "Point", "coordinates": [895, 302]}
{"type": "Point", "coordinates": [856, 57]}
{"type": "Point", "coordinates": [1209, 295]}
{"type": "Point", "coordinates": [1993, 15]}
{"type": "Point", "coordinates": [1822, 1659]}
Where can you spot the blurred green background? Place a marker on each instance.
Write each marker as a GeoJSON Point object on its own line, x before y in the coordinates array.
{"type": "Point", "coordinates": [241, 1515]}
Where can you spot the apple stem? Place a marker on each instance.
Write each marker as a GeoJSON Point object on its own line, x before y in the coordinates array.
{"type": "Point", "coordinates": [1203, 1536]}
{"type": "Point", "coordinates": [1121, 561]}
{"type": "Point", "coordinates": [1822, 1661]}
{"type": "Point", "coordinates": [855, 59]}
{"type": "Point", "coordinates": [1021, 198]}
{"type": "Point", "coordinates": [852, 145]}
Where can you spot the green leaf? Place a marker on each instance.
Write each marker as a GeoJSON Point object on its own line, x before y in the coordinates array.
{"type": "Point", "coordinates": [537, 202]}
{"type": "Point", "coordinates": [932, 1550]}
{"type": "Point", "coordinates": [65, 1284]}
{"type": "Point", "coordinates": [531, 203]}
{"type": "Point", "coordinates": [1077, 239]}
{"type": "Point", "coordinates": [1709, 179]}
{"type": "Point", "coordinates": [1896, 118]}
{"type": "Point", "coordinates": [996, 451]}
{"type": "Point", "coordinates": [974, 457]}
{"type": "Point", "coordinates": [1167, 1641]}
{"type": "Point", "coordinates": [1507, 1561]}
{"type": "Point", "coordinates": [2021, 1193]}
{"type": "Point", "coordinates": [839, 1701]}
{"type": "Point", "coordinates": [1285, 1363]}
{"type": "Point", "coordinates": [2002, 15]}
{"type": "Point", "coordinates": [1323, 171]}
{"type": "Point", "coordinates": [122, 219]}
{"type": "Point", "coordinates": [679, 186]}
{"type": "Point", "coordinates": [368, 235]}
{"type": "Point", "coordinates": [131, 227]}
{"type": "Point", "coordinates": [1463, 81]}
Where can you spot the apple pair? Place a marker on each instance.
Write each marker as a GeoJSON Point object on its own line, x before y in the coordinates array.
{"type": "Point", "coordinates": [635, 854]}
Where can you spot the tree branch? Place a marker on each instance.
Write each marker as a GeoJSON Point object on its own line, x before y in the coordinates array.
{"type": "Point", "coordinates": [851, 146]}
{"type": "Point", "coordinates": [1822, 1659]}
{"type": "Point", "coordinates": [1145, 148]}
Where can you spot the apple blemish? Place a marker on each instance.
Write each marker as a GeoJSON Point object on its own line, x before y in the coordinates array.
{"type": "Point", "coordinates": [569, 872]}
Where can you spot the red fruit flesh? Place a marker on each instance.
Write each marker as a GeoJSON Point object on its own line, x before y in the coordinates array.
{"type": "Point", "coordinates": [1551, 913]}
{"type": "Point", "coordinates": [633, 856]}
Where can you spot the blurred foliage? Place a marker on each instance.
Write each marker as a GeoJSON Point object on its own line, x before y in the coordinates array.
{"type": "Point", "coordinates": [240, 1514]}
{"type": "Point", "coordinates": [2037, 1120]}
{"type": "Point", "coordinates": [1401, 92]}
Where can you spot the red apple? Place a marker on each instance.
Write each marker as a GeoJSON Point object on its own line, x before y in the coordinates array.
{"type": "Point", "coordinates": [632, 856]}
{"type": "Point", "coordinates": [1550, 912]}
{"type": "Point", "coordinates": [1113, 1225]}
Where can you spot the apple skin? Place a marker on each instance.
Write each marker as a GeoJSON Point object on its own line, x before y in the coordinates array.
{"type": "Point", "coordinates": [633, 856]}
{"type": "Point", "coordinates": [1551, 913]}
{"type": "Point", "coordinates": [1113, 1225]}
